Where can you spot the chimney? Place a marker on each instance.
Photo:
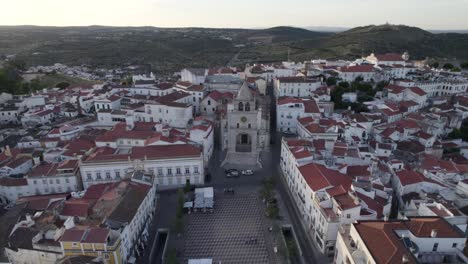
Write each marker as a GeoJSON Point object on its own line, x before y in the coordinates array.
{"type": "Point", "coordinates": [433, 233]}
{"type": "Point", "coordinates": [165, 132]}
{"type": "Point", "coordinates": [7, 151]}
{"type": "Point", "coordinates": [386, 218]}
{"type": "Point", "coordinates": [404, 259]}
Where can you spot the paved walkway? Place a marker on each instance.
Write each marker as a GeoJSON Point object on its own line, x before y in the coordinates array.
{"type": "Point", "coordinates": [234, 233]}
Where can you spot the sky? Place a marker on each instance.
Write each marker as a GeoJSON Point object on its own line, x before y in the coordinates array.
{"type": "Point", "coordinates": [427, 14]}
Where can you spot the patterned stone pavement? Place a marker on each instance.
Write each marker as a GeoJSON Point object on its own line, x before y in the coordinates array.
{"type": "Point", "coordinates": [235, 233]}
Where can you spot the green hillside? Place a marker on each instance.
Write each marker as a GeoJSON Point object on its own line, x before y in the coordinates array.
{"type": "Point", "coordinates": [170, 49]}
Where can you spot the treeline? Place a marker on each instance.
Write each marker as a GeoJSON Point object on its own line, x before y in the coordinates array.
{"type": "Point", "coordinates": [12, 82]}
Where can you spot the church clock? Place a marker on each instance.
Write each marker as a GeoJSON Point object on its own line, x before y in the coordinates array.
{"type": "Point", "coordinates": [243, 119]}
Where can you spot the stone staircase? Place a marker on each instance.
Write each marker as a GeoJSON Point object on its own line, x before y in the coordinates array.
{"type": "Point", "coordinates": [243, 161]}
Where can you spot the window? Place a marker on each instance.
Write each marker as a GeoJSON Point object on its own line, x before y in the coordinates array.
{"type": "Point", "coordinates": [178, 171]}
{"type": "Point", "coordinates": [237, 125]}
{"type": "Point", "coordinates": [454, 245]}
{"type": "Point", "coordinates": [160, 171]}
{"type": "Point", "coordinates": [169, 171]}
{"type": "Point", "coordinates": [98, 176]}
{"type": "Point", "coordinates": [51, 181]}
{"type": "Point", "coordinates": [117, 174]}
{"type": "Point", "coordinates": [35, 182]}
{"type": "Point", "coordinates": [209, 102]}
{"type": "Point", "coordinates": [187, 170]}
{"type": "Point", "coordinates": [74, 244]}
{"type": "Point", "coordinates": [436, 245]}
{"type": "Point", "coordinates": [241, 106]}
{"type": "Point", "coordinates": [348, 216]}
{"type": "Point", "coordinates": [195, 170]}
{"type": "Point", "coordinates": [108, 175]}
{"type": "Point", "coordinates": [250, 126]}
{"type": "Point", "coordinates": [247, 106]}
{"type": "Point", "coordinates": [67, 180]}
{"type": "Point", "coordinates": [88, 176]}
{"type": "Point", "coordinates": [57, 181]}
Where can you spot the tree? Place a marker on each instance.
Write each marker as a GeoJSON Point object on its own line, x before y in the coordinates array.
{"type": "Point", "coordinates": [272, 211]}
{"type": "Point", "coordinates": [180, 203]}
{"type": "Point", "coordinates": [447, 66]}
{"type": "Point", "coordinates": [62, 85]}
{"type": "Point", "coordinates": [359, 79]}
{"type": "Point", "coordinates": [187, 187]}
{"type": "Point", "coordinates": [331, 81]}
{"type": "Point", "coordinates": [343, 84]}
{"type": "Point", "coordinates": [172, 257]}
{"type": "Point", "coordinates": [464, 65]}
{"type": "Point", "coordinates": [456, 69]}
{"type": "Point", "coordinates": [435, 65]}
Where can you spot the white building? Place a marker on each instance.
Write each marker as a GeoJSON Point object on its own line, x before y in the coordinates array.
{"type": "Point", "coordinates": [173, 165]}
{"type": "Point", "coordinates": [9, 115]}
{"type": "Point", "coordinates": [194, 75]}
{"type": "Point", "coordinates": [416, 240]}
{"type": "Point", "coordinates": [289, 110]}
{"type": "Point", "coordinates": [326, 198]}
{"type": "Point", "coordinates": [350, 73]}
{"type": "Point", "coordinates": [388, 59]}
{"type": "Point", "coordinates": [295, 86]}
{"type": "Point", "coordinates": [54, 178]}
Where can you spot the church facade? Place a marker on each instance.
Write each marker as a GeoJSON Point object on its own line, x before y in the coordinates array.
{"type": "Point", "coordinates": [245, 129]}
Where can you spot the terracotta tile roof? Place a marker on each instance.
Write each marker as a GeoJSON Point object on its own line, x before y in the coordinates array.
{"type": "Point", "coordinates": [305, 120]}
{"type": "Point", "coordinates": [49, 169]}
{"type": "Point", "coordinates": [319, 177]}
{"type": "Point", "coordinates": [408, 177]}
{"type": "Point", "coordinates": [289, 100]}
{"type": "Point", "coordinates": [296, 79]}
{"type": "Point", "coordinates": [418, 91]}
{"type": "Point", "coordinates": [345, 201]}
{"type": "Point", "coordinates": [389, 57]}
{"type": "Point", "coordinates": [96, 235]}
{"type": "Point", "coordinates": [336, 190]}
{"type": "Point", "coordinates": [11, 182]}
{"type": "Point", "coordinates": [196, 88]}
{"type": "Point", "coordinates": [172, 97]}
{"type": "Point", "coordinates": [382, 242]}
{"type": "Point", "coordinates": [396, 89]}
{"type": "Point", "coordinates": [315, 128]}
{"type": "Point", "coordinates": [165, 85]}
{"type": "Point", "coordinates": [14, 163]}
{"type": "Point", "coordinates": [357, 170]}
{"type": "Point", "coordinates": [295, 142]}
{"type": "Point", "coordinates": [422, 227]}
{"type": "Point", "coordinates": [300, 152]}
{"type": "Point", "coordinates": [357, 68]}
{"type": "Point", "coordinates": [373, 204]}
{"type": "Point", "coordinates": [72, 235]}
{"type": "Point", "coordinates": [80, 209]}
{"type": "Point", "coordinates": [311, 107]}
{"type": "Point", "coordinates": [149, 152]}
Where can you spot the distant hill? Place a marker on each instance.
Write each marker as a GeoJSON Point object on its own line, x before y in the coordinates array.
{"type": "Point", "coordinates": [391, 38]}
{"type": "Point", "coordinates": [361, 41]}
{"type": "Point", "coordinates": [170, 49]}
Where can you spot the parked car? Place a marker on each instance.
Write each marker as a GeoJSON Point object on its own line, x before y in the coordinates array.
{"type": "Point", "coordinates": [229, 170]}
{"type": "Point", "coordinates": [247, 172]}
{"type": "Point", "coordinates": [234, 173]}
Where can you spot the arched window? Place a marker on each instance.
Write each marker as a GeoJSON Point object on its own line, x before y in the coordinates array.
{"type": "Point", "coordinates": [247, 106]}
{"type": "Point", "coordinates": [241, 106]}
